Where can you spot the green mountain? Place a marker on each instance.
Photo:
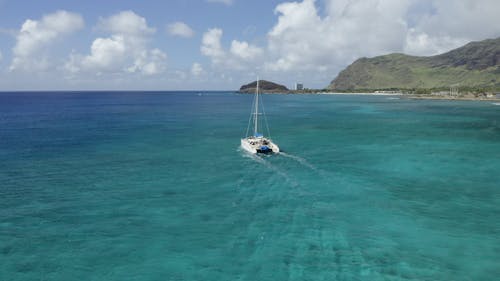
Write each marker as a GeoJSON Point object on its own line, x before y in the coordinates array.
{"type": "Point", "coordinates": [476, 64]}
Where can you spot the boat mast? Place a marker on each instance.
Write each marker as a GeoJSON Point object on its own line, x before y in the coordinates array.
{"type": "Point", "coordinates": [256, 109]}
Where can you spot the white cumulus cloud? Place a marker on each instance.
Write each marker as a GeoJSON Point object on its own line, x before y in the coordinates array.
{"type": "Point", "coordinates": [106, 53]}
{"type": "Point", "coordinates": [211, 45]}
{"type": "Point", "coordinates": [149, 62]}
{"type": "Point", "coordinates": [244, 50]}
{"type": "Point", "coordinates": [35, 36]}
{"type": "Point", "coordinates": [302, 39]}
{"type": "Point", "coordinates": [449, 24]}
{"type": "Point", "coordinates": [180, 29]}
{"type": "Point", "coordinates": [126, 22]}
{"type": "Point", "coordinates": [239, 55]}
{"type": "Point", "coordinates": [196, 69]}
{"type": "Point", "coordinates": [422, 43]}
{"type": "Point", "coordinates": [125, 50]}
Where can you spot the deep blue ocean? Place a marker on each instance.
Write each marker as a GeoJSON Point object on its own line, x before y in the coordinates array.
{"type": "Point", "coordinates": [154, 186]}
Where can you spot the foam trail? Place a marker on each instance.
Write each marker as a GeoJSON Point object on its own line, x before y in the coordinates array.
{"type": "Point", "coordinates": [270, 166]}
{"type": "Point", "coordinates": [300, 160]}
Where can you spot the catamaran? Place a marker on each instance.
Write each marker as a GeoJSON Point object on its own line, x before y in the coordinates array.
{"type": "Point", "coordinates": [257, 142]}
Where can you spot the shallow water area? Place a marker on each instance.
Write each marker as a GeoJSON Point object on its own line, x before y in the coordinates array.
{"type": "Point", "coordinates": [154, 186]}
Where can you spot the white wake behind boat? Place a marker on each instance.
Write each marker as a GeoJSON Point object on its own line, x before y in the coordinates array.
{"type": "Point", "coordinates": [257, 142]}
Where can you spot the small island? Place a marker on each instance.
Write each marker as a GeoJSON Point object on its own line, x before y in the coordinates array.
{"type": "Point", "coordinates": [265, 86]}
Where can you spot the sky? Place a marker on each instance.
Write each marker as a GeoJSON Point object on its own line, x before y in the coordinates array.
{"type": "Point", "coordinates": [220, 44]}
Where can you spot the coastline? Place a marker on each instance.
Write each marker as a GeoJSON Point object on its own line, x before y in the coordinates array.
{"type": "Point", "coordinates": [362, 94]}
{"type": "Point", "coordinates": [401, 95]}
{"type": "Point", "coordinates": [417, 97]}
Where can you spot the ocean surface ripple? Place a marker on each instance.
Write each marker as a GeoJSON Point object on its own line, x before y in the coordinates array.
{"type": "Point", "coordinates": [154, 186]}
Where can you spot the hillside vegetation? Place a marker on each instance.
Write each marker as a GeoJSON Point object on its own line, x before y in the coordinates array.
{"type": "Point", "coordinates": [476, 64]}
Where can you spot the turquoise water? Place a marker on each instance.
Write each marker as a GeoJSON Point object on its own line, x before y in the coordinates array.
{"type": "Point", "coordinates": [153, 186]}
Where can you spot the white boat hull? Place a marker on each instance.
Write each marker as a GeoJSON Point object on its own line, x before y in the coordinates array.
{"type": "Point", "coordinates": [259, 145]}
